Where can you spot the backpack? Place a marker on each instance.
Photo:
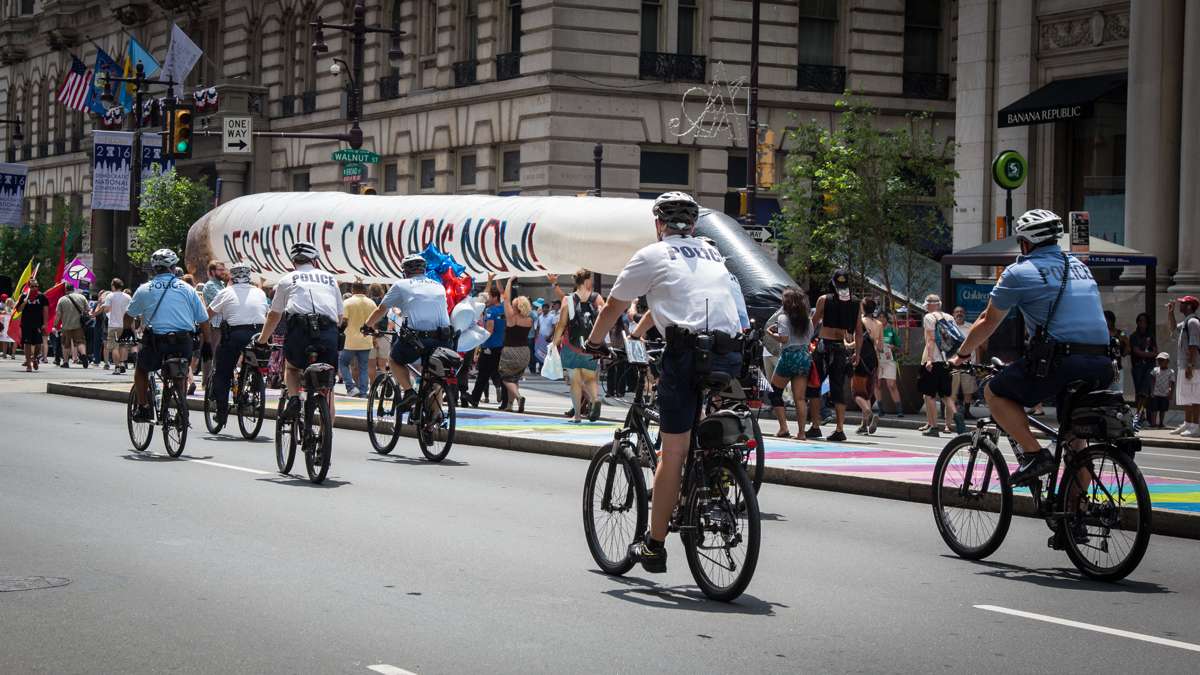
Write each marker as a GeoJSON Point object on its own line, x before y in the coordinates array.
{"type": "Point", "coordinates": [582, 318]}
{"type": "Point", "coordinates": [947, 335]}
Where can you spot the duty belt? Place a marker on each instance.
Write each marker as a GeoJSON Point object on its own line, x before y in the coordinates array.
{"type": "Point", "coordinates": [722, 343]}
{"type": "Point", "coordinates": [1079, 349]}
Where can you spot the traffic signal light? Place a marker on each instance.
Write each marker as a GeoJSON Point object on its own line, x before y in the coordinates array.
{"type": "Point", "coordinates": [743, 203]}
{"type": "Point", "coordinates": [181, 134]}
{"type": "Point", "coordinates": [367, 190]}
{"type": "Point", "coordinates": [765, 164]}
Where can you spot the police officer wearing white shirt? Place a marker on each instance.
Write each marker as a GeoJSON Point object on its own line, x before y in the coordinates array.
{"type": "Point", "coordinates": [241, 310]}
{"type": "Point", "coordinates": [687, 288]}
{"type": "Point", "coordinates": [312, 304]}
{"type": "Point", "coordinates": [422, 303]}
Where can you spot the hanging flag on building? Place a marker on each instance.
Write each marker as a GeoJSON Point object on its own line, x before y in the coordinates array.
{"type": "Point", "coordinates": [12, 192]}
{"type": "Point", "coordinates": [111, 166]}
{"type": "Point", "coordinates": [105, 65]}
{"type": "Point", "coordinates": [182, 55]}
{"type": "Point", "coordinates": [75, 87]}
{"type": "Point", "coordinates": [139, 54]}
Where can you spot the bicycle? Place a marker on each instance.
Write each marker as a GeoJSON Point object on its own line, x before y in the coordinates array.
{"type": "Point", "coordinates": [717, 516]}
{"type": "Point", "coordinates": [169, 408]}
{"type": "Point", "coordinates": [316, 443]}
{"type": "Point", "coordinates": [249, 391]}
{"type": "Point", "coordinates": [1099, 510]}
{"type": "Point", "coordinates": [433, 414]}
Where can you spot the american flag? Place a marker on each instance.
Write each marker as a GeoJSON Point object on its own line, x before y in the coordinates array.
{"type": "Point", "coordinates": [74, 90]}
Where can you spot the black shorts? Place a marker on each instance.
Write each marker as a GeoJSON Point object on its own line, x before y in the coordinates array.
{"type": "Point", "coordinates": [154, 350]}
{"type": "Point", "coordinates": [934, 382]}
{"type": "Point", "coordinates": [677, 396]}
{"type": "Point", "coordinates": [1016, 384]}
{"type": "Point", "coordinates": [408, 351]}
{"type": "Point", "coordinates": [1160, 403]}
{"type": "Point", "coordinates": [31, 334]}
{"type": "Point", "coordinates": [296, 342]}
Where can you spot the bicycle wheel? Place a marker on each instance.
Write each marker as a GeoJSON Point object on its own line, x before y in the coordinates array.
{"type": "Point", "coordinates": [318, 442]}
{"type": "Point", "coordinates": [210, 412]}
{"type": "Point", "coordinates": [383, 422]}
{"type": "Point", "coordinates": [755, 460]}
{"type": "Point", "coordinates": [435, 420]}
{"type": "Point", "coordinates": [723, 525]}
{"type": "Point", "coordinates": [140, 433]}
{"type": "Point", "coordinates": [615, 508]}
{"type": "Point", "coordinates": [285, 438]}
{"type": "Point", "coordinates": [174, 419]}
{"type": "Point", "coordinates": [972, 498]}
{"type": "Point", "coordinates": [1108, 511]}
{"type": "Point", "coordinates": [252, 405]}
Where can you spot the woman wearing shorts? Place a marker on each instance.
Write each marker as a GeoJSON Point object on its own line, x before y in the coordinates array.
{"type": "Point", "coordinates": [514, 356]}
{"type": "Point", "coordinates": [887, 365]}
{"type": "Point", "coordinates": [793, 330]}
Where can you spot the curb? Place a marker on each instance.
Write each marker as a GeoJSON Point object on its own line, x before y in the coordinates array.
{"type": "Point", "coordinates": [1163, 522]}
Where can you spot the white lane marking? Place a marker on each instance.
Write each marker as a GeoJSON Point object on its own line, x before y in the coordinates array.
{"type": "Point", "coordinates": [1163, 454]}
{"type": "Point", "coordinates": [1163, 468]}
{"type": "Point", "coordinates": [1093, 627]}
{"type": "Point", "coordinates": [230, 466]}
{"type": "Point", "coordinates": [385, 669]}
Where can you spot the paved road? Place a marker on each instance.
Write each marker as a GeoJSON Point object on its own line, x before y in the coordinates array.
{"type": "Point", "coordinates": [219, 565]}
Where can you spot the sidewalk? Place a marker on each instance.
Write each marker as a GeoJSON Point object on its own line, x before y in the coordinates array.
{"type": "Point", "coordinates": [880, 466]}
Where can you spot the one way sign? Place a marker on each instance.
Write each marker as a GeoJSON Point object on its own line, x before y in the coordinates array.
{"type": "Point", "coordinates": [237, 136]}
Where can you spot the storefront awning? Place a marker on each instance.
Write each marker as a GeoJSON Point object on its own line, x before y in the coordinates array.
{"type": "Point", "coordinates": [1060, 101]}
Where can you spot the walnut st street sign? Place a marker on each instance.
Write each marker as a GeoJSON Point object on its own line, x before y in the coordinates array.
{"type": "Point", "coordinates": [350, 155]}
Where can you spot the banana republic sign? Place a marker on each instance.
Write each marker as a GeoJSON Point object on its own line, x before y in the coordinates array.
{"type": "Point", "coordinates": [1062, 100]}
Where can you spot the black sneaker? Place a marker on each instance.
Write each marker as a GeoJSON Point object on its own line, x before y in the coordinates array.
{"type": "Point", "coordinates": [836, 437]}
{"type": "Point", "coordinates": [1032, 466]}
{"type": "Point", "coordinates": [813, 432]}
{"type": "Point", "coordinates": [292, 410]}
{"type": "Point", "coordinates": [652, 558]}
{"type": "Point", "coordinates": [406, 401]}
{"type": "Point", "coordinates": [143, 413]}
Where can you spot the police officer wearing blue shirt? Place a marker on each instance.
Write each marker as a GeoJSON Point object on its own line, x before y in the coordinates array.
{"type": "Point", "coordinates": [1077, 335]}
{"type": "Point", "coordinates": [170, 310]}
{"type": "Point", "coordinates": [422, 303]}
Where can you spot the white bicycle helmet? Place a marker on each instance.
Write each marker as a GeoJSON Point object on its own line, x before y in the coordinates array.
{"type": "Point", "coordinates": [303, 251]}
{"type": "Point", "coordinates": [239, 273]}
{"type": "Point", "coordinates": [677, 210]}
{"type": "Point", "coordinates": [163, 258]}
{"type": "Point", "coordinates": [1038, 226]}
{"type": "Point", "coordinates": [413, 264]}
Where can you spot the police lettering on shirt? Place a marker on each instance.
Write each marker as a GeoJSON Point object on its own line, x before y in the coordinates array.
{"type": "Point", "coordinates": [308, 291]}
{"type": "Point", "coordinates": [1032, 283]}
{"type": "Point", "coordinates": [422, 302]}
{"type": "Point", "coordinates": [685, 283]}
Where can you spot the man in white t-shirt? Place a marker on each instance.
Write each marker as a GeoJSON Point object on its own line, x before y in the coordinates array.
{"type": "Point", "coordinates": [115, 304]}
{"type": "Point", "coordinates": [687, 288]}
{"type": "Point", "coordinates": [933, 380]}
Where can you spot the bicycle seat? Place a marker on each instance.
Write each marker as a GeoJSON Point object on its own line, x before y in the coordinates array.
{"type": "Point", "coordinates": [725, 385]}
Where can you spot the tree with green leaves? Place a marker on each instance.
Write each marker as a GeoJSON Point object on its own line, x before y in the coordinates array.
{"type": "Point", "coordinates": [170, 204]}
{"type": "Point", "coordinates": [42, 243]}
{"type": "Point", "coordinates": [863, 195]}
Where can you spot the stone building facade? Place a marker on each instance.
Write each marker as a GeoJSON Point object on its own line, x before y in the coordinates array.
{"type": "Point", "coordinates": [492, 96]}
{"type": "Point", "coordinates": [1121, 83]}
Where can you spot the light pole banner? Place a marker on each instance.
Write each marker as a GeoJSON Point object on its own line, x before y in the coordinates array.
{"type": "Point", "coordinates": [368, 236]}
{"type": "Point", "coordinates": [153, 162]}
{"type": "Point", "coordinates": [111, 168]}
{"type": "Point", "coordinates": [12, 191]}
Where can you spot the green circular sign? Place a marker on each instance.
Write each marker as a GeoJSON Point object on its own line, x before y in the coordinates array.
{"type": "Point", "coordinates": [1009, 170]}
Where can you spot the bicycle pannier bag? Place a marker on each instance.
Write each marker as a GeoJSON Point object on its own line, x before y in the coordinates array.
{"type": "Point", "coordinates": [1102, 416]}
{"type": "Point", "coordinates": [723, 429]}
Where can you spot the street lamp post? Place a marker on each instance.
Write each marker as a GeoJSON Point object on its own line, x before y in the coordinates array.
{"type": "Point", "coordinates": [358, 31]}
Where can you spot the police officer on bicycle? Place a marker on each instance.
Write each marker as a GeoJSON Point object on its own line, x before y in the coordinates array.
{"type": "Point", "coordinates": [309, 301]}
{"type": "Point", "coordinates": [242, 310]}
{"type": "Point", "coordinates": [688, 291]}
{"type": "Point", "coordinates": [422, 303]}
{"type": "Point", "coordinates": [170, 310]}
{"type": "Point", "coordinates": [1068, 337]}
